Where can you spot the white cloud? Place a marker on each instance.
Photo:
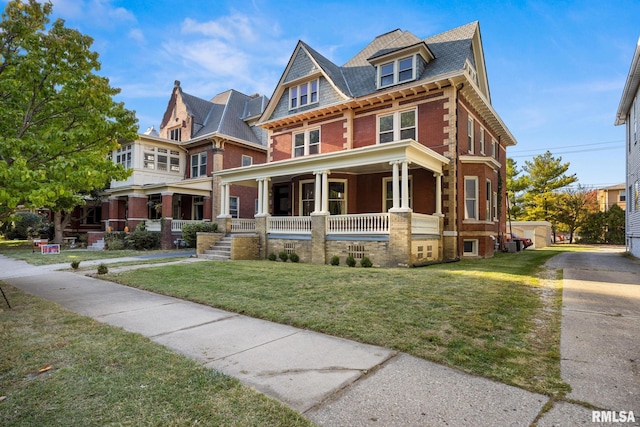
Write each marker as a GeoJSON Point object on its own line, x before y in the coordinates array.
{"type": "Point", "coordinates": [137, 35]}
{"type": "Point", "coordinates": [101, 13]}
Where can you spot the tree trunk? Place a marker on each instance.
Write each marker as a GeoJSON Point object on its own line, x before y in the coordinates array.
{"type": "Point", "coordinates": [60, 222]}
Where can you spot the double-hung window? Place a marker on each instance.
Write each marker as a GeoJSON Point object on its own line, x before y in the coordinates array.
{"type": "Point", "coordinates": [482, 141]}
{"type": "Point", "coordinates": [123, 156]}
{"type": "Point", "coordinates": [488, 201]}
{"type": "Point", "coordinates": [471, 197]}
{"type": "Point", "coordinates": [234, 206]}
{"type": "Point", "coordinates": [307, 142]}
{"type": "Point", "coordinates": [396, 71]}
{"type": "Point", "coordinates": [198, 165]}
{"type": "Point", "coordinates": [397, 126]}
{"type": "Point", "coordinates": [303, 94]}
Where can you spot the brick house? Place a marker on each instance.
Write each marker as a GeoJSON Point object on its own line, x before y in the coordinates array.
{"type": "Point", "coordinates": [629, 114]}
{"type": "Point", "coordinates": [397, 155]}
{"type": "Point", "coordinates": [172, 178]}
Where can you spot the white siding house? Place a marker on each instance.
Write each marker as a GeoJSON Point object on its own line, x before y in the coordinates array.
{"type": "Point", "coordinates": [629, 114]}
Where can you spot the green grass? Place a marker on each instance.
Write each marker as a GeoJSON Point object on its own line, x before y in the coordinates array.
{"type": "Point", "coordinates": [22, 250]}
{"type": "Point", "coordinates": [490, 317]}
{"type": "Point", "coordinates": [102, 375]}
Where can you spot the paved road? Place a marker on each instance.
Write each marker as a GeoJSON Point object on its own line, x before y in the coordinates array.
{"type": "Point", "coordinates": [600, 344]}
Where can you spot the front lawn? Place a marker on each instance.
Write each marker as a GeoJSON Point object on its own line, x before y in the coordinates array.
{"type": "Point", "coordinates": [491, 317]}
{"type": "Point", "coordinates": [59, 368]}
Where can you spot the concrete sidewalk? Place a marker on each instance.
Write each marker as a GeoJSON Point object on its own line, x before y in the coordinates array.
{"type": "Point", "coordinates": [332, 381]}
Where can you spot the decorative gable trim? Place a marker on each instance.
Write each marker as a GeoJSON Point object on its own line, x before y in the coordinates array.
{"type": "Point", "coordinates": [289, 79]}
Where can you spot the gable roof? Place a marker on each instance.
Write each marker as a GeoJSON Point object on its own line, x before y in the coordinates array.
{"type": "Point", "coordinates": [631, 87]}
{"type": "Point", "coordinates": [357, 77]}
{"type": "Point", "coordinates": [224, 115]}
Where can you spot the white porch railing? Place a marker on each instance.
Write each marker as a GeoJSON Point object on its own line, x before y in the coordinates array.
{"type": "Point", "coordinates": [240, 225]}
{"type": "Point", "coordinates": [176, 224]}
{"type": "Point", "coordinates": [153, 225]}
{"type": "Point", "coordinates": [289, 224]}
{"type": "Point", "coordinates": [370, 223]}
{"type": "Point", "coordinates": [424, 224]}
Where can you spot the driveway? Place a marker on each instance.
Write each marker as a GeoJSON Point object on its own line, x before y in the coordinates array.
{"type": "Point", "coordinates": [600, 342]}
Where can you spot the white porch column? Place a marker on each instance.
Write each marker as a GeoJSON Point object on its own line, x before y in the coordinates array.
{"type": "Point", "coordinates": [405, 185]}
{"type": "Point", "coordinates": [438, 193]}
{"type": "Point", "coordinates": [260, 195]}
{"type": "Point", "coordinates": [318, 192]}
{"type": "Point", "coordinates": [395, 185]}
{"type": "Point", "coordinates": [325, 191]}
{"type": "Point", "coordinates": [265, 196]}
{"type": "Point", "coordinates": [224, 199]}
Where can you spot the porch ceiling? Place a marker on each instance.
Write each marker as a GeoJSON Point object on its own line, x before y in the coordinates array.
{"type": "Point", "coordinates": [375, 158]}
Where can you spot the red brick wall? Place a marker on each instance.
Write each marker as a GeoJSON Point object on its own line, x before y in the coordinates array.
{"type": "Point", "coordinates": [232, 157]}
{"type": "Point", "coordinates": [364, 131]}
{"type": "Point", "coordinates": [281, 146]}
{"type": "Point", "coordinates": [431, 125]}
{"type": "Point", "coordinates": [248, 196]}
{"type": "Point", "coordinates": [332, 136]}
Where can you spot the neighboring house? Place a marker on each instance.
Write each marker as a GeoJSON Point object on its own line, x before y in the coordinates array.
{"type": "Point", "coordinates": [613, 195]}
{"type": "Point", "coordinates": [172, 170]}
{"type": "Point", "coordinates": [629, 114]}
{"type": "Point", "coordinates": [397, 155]}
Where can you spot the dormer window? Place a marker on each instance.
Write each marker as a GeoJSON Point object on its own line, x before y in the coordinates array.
{"type": "Point", "coordinates": [397, 71]}
{"type": "Point", "coordinates": [303, 94]}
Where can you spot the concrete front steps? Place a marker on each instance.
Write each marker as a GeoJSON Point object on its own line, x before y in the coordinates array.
{"type": "Point", "coordinates": [220, 251]}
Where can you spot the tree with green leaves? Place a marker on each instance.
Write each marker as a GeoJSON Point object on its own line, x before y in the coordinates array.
{"type": "Point", "coordinates": [574, 207]}
{"type": "Point", "coordinates": [546, 175]}
{"type": "Point", "coordinates": [58, 119]}
{"type": "Point", "coordinates": [516, 185]}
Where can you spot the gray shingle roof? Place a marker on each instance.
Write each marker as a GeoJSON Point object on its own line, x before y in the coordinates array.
{"type": "Point", "coordinates": [451, 49]}
{"type": "Point", "coordinates": [224, 115]}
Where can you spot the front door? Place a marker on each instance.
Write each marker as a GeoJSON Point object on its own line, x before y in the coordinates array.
{"type": "Point", "coordinates": [281, 200]}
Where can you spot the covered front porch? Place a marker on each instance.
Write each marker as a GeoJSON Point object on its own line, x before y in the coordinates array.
{"type": "Point", "coordinates": [383, 202]}
{"type": "Point", "coordinates": [162, 208]}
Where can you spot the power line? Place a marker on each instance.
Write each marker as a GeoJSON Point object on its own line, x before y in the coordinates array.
{"type": "Point", "coordinates": [569, 146]}
{"type": "Point", "coordinates": [571, 152]}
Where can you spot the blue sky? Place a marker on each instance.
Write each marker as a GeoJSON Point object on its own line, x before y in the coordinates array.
{"type": "Point", "coordinates": [556, 68]}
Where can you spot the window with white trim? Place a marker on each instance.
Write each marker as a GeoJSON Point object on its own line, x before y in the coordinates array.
{"type": "Point", "coordinates": [124, 156]}
{"type": "Point", "coordinates": [495, 206]}
{"type": "Point", "coordinates": [470, 248]}
{"type": "Point", "coordinates": [234, 206]}
{"type": "Point", "coordinates": [488, 200]}
{"type": "Point", "coordinates": [307, 142]}
{"type": "Point", "coordinates": [387, 193]}
{"type": "Point", "coordinates": [247, 160]}
{"type": "Point", "coordinates": [482, 141]}
{"type": "Point", "coordinates": [199, 165]}
{"type": "Point", "coordinates": [396, 71]}
{"type": "Point", "coordinates": [303, 94]}
{"type": "Point", "coordinates": [494, 148]}
{"type": "Point", "coordinates": [471, 197]}
{"type": "Point", "coordinates": [175, 134]}
{"type": "Point", "coordinates": [161, 159]}
{"type": "Point", "coordinates": [470, 135]}
{"type": "Point", "coordinates": [397, 126]}
{"type": "Point", "coordinates": [338, 197]}
{"type": "Point", "coordinates": [307, 197]}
